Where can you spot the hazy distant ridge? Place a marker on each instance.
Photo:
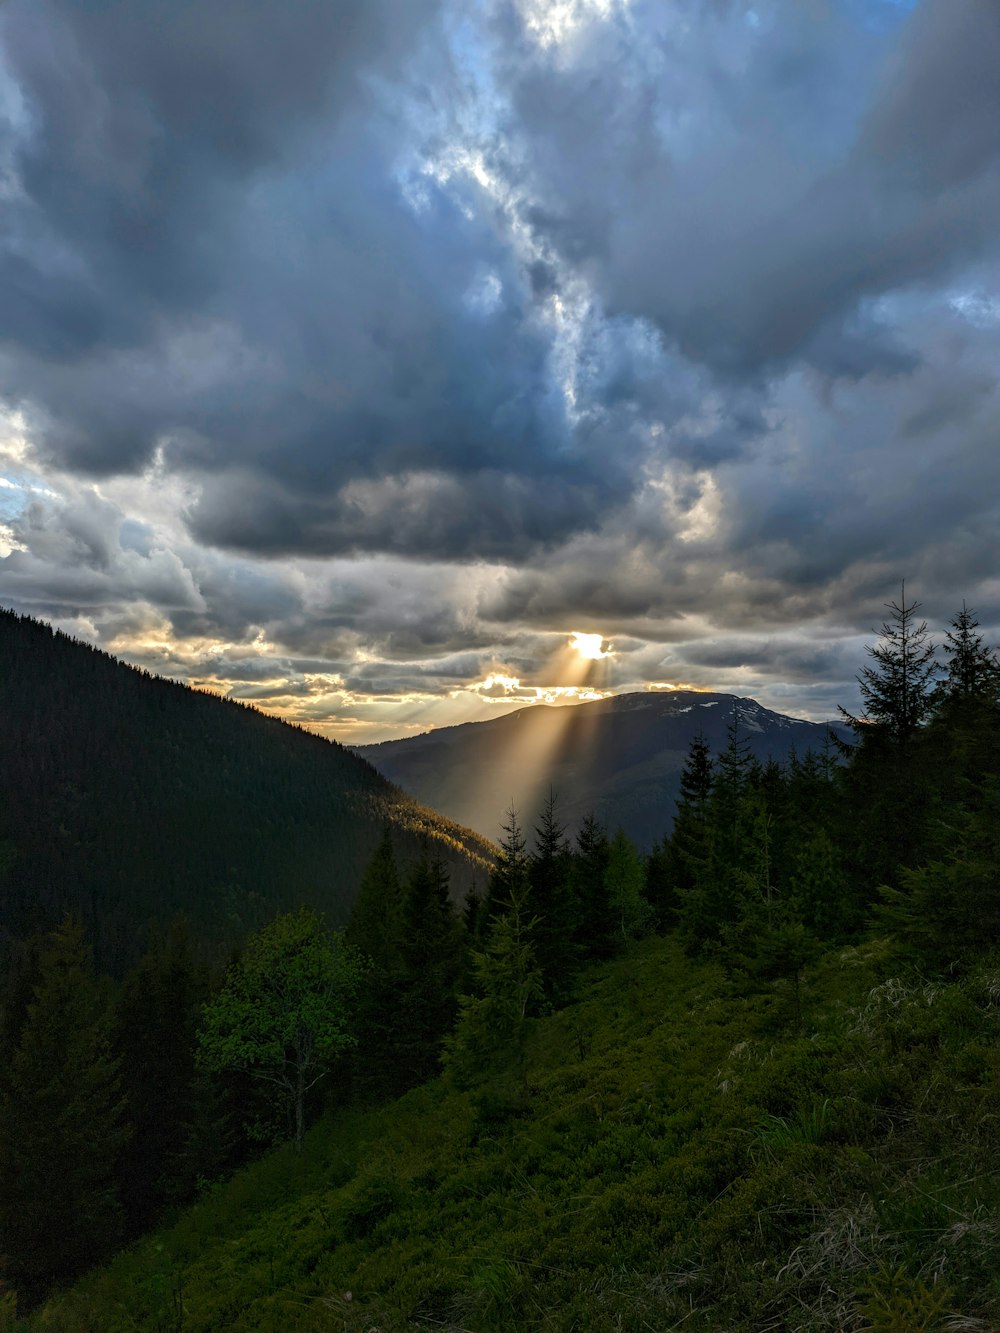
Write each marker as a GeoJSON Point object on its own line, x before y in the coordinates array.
{"type": "Point", "coordinates": [619, 757]}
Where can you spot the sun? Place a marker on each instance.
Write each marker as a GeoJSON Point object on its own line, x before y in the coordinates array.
{"type": "Point", "coordinates": [590, 646]}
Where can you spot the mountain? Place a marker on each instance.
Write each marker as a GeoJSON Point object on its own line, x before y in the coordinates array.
{"type": "Point", "coordinates": [127, 799]}
{"type": "Point", "coordinates": [619, 758]}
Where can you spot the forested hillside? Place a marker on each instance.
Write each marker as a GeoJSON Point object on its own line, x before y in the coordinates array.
{"type": "Point", "coordinates": [746, 1082]}
{"type": "Point", "coordinates": [126, 799]}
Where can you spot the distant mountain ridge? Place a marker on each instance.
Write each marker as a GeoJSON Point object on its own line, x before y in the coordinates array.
{"type": "Point", "coordinates": [619, 758]}
{"type": "Point", "coordinates": [127, 799]}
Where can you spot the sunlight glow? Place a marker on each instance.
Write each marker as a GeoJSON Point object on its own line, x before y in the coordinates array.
{"type": "Point", "coordinates": [655, 685]}
{"type": "Point", "coordinates": [554, 22]}
{"type": "Point", "coordinates": [590, 646]}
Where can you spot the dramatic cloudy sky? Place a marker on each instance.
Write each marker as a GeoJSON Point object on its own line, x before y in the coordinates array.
{"type": "Point", "coordinates": [356, 354]}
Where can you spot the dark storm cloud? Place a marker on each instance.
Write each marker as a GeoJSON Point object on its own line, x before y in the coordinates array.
{"type": "Point", "coordinates": [685, 326]}
{"type": "Point", "coordinates": [210, 253]}
{"type": "Point", "coordinates": [818, 167]}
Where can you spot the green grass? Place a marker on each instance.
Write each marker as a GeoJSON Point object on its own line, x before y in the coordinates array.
{"type": "Point", "coordinates": [678, 1155]}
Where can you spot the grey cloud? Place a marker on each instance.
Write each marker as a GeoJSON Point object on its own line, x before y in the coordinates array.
{"type": "Point", "coordinates": [211, 228]}
{"type": "Point", "coordinates": [746, 247]}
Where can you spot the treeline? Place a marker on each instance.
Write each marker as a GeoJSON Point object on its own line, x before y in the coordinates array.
{"type": "Point", "coordinates": [127, 799]}
{"type": "Point", "coordinates": [112, 1116]}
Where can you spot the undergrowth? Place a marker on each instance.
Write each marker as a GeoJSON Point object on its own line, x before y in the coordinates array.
{"type": "Point", "coordinates": [701, 1161]}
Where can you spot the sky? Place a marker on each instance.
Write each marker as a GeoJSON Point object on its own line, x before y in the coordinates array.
{"type": "Point", "coordinates": [394, 363]}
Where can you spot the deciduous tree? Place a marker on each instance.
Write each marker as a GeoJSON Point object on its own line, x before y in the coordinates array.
{"type": "Point", "coordinates": [286, 1010]}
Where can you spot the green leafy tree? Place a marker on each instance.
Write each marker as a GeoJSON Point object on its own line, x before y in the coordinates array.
{"type": "Point", "coordinates": [64, 1125]}
{"type": "Point", "coordinates": [285, 1013]}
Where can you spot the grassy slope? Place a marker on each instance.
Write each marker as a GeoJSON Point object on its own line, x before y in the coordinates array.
{"type": "Point", "coordinates": [683, 1159]}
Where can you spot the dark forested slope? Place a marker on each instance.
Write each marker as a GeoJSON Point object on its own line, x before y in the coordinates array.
{"type": "Point", "coordinates": [126, 799]}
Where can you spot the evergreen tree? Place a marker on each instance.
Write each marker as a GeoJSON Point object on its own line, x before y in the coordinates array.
{"type": "Point", "coordinates": [158, 1012]}
{"type": "Point", "coordinates": [888, 785]}
{"type": "Point", "coordinates": [507, 983]}
{"type": "Point", "coordinates": [432, 963]}
{"type": "Point", "coordinates": [550, 899]}
{"type": "Point", "coordinates": [895, 690]}
{"type": "Point", "coordinates": [625, 881]}
{"type": "Point", "coordinates": [732, 845]}
{"type": "Point", "coordinates": [595, 932]}
{"type": "Point", "coordinates": [821, 889]}
{"type": "Point", "coordinates": [673, 865]}
{"type": "Point", "coordinates": [973, 668]}
{"type": "Point", "coordinates": [375, 925]}
{"type": "Point", "coordinates": [509, 877]}
{"type": "Point", "coordinates": [64, 1126]}
{"type": "Point", "coordinates": [375, 929]}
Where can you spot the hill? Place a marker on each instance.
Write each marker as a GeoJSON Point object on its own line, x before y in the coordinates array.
{"type": "Point", "coordinates": [618, 758]}
{"type": "Point", "coordinates": [128, 799]}
{"type": "Point", "coordinates": [678, 1154]}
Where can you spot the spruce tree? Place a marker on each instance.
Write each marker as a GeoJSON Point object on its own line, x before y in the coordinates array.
{"type": "Point", "coordinates": [375, 924]}
{"type": "Point", "coordinates": [509, 877]}
{"type": "Point", "coordinates": [550, 899]}
{"type": "Point", "coordinates": [595, 928]}
{"type": "Point", "coordinates": [375, 929]}
{"type": "Point", "coordinates": [507, 983]}
{"type": "Point", "coordinates": [64, 1118]}
{"type": "Point", "coordinates": [432, 963]}
{"type": "Point", "coordinates": [158, 1012]}
{"type": "Point", "coordinates": [673, 866]}
{"type": "Point", "coordinates": [625, 882]}
{"type": "Point", "coordinates": [896, 688]}
{"type": "Point", "coordinates": [973, 668]}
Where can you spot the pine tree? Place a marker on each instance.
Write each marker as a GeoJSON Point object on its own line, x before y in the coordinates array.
{"type": "Point", "coordinates": [625, 881]}
{"type": "Point", "coordinates": [973, 669]}
{"type": "Point", "coordinates": [550, 899]}
{"type": "Point", "coordinates": [375, 924]}
{"type": "Point", "coordinates": [432, 964]}
{"type": "Point", "coordinates": [595, 928]}
{"type": "Point", "coordinates": [64, 1118]}
{"type": "Point", "coordinates": [889, 784]}
{"type": "Point", "coordinates": [896, 689]}
{"type": "Point", "coordinates": [673, 866]}
{"type": "Point", "coordinates": [158, 1012]}
{"type": "Point", "coordinates": [507, 983]}
{"type": "Point", "coordinates": [947, 912]}
{"type": "Point", "coordinates": [509, 877]}
{"type": "Point", "coordinates": [375, 929]}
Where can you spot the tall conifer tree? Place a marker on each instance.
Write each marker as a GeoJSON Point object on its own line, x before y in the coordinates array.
{"type": "Point", "coordinates": [64, 1118]}
{"type": "Point", "coordinates": [432, 963]}
{"type": "Point", "coordinates": [550, 899]}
